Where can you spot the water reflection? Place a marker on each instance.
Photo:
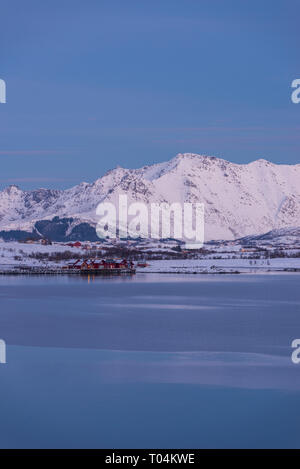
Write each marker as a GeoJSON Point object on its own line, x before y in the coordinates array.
{"type": "Point", "coordinates": [150, 361]}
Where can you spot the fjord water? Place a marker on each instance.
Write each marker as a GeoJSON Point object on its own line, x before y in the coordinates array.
{"type": "Point", "coordinates": [154, 361]}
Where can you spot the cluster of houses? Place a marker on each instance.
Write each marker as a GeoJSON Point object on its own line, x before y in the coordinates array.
{"type": "Point", "coordinates": [97, 264]}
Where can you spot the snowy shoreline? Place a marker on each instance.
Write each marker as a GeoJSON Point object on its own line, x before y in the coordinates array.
{"type": "Point", "coordinates": [17, 257]}
{"type": "Point", "coordinates": [173, 266]}
{"type": "Point", "coordinates": [222, 266]}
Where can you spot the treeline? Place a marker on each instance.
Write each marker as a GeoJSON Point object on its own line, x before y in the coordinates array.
{"type": "Point", "coordinates": [135, 254]}
{"type": "Point", "coordinates": [60, 256]}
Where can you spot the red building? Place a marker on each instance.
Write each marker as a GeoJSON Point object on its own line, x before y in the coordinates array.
{"type": "Point", "coordinates": [77, 244]}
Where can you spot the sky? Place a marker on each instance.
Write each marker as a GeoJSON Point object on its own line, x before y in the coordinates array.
{"type": "Point", "coordinates": [98, 83]}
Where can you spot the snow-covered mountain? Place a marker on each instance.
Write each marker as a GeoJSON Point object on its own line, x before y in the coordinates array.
{"type": "Point", "coordinates": [239, 199]}
{"type": "Point", "coordinates": [275, 238]}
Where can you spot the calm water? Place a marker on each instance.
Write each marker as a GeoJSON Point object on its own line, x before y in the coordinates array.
{"type": "Point", "coordinates": [150, 361]}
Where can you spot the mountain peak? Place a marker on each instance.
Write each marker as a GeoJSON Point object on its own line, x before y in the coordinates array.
{"type": "Point", "coordinates": [194, 156]}
{"type": "Point", "coordinates": [12, 189]}
{"type": "Point", "coordinates": [262, 161]}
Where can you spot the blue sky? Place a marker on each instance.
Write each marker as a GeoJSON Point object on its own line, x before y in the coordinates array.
{"type": "Point", "coordinates": [95, 84]}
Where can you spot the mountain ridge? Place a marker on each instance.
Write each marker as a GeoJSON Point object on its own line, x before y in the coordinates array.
{"type": "Point", "coordinates": [239, 199]}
